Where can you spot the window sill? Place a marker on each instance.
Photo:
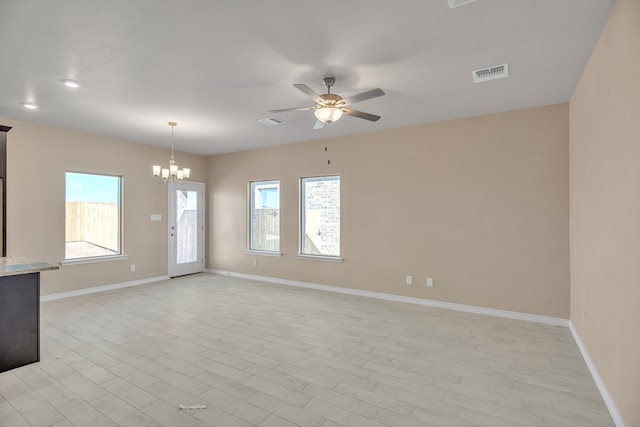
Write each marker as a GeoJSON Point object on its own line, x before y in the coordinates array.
{"type": "Point", "coordinates": [320, 258]}
{"type": "Point", "coordinates": [91, 260]}
{"type": "Point", "coordinates": [263, 253]}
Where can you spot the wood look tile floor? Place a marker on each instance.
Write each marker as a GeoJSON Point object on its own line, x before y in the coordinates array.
{"type": "Point", "coordinates": [265, 355]}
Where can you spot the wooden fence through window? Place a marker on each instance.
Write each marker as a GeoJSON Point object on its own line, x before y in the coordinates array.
{"type": "Point", "coordinates": [93, 222]}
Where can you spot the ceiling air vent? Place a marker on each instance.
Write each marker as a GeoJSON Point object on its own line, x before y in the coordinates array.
{"type": "Point", "coordinates": [456, 3]}
{"type": "Point", "coordinates": [491, 73]}
{"type": "Point", "coordinates": [271, 121]}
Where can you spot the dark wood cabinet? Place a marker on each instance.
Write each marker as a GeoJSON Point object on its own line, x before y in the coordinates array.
{"type": "Point", "coordinates": [19, 320]}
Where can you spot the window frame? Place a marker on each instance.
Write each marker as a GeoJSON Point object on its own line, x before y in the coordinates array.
{"type": "Point", "coordinates": [250, 211]}
{"type": "Point", "coordinates": [302, 221]}
{"type": "Point", "coordinates": [120, 255]}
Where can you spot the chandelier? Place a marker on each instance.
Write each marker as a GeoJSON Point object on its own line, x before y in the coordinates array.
{"type": "Point", "coordinates": [173, 173]}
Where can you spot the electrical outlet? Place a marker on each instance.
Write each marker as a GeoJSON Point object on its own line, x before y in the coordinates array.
{"type": "Point", "coordinates": [409, 280]}
{"type": "Point", "coordinates": [255, 262]}
{"type": "Point", "coordinates": [133, 267]}
{"type": "Point", "coordinates": [430, 282]}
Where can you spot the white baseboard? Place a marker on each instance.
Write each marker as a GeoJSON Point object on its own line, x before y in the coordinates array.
{"type": "Point", "coordinates": [85, 291]}
{"type": "Point", "coordinates": [608, 400]}
{"type": "Point", "coordinates": [398, 298]}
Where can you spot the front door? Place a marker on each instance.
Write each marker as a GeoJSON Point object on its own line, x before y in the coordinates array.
{"type": "Point", "coordinates": [186, 228]}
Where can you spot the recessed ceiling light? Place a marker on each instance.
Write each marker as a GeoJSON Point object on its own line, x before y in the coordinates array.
{"type": "Point", "coordinates": [30, 105]}
{"type": "Point", "coordinates": [71, 83]}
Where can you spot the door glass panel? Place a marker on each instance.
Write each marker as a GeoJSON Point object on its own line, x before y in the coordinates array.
{"type": "Point", "coordinates": [186, 226]}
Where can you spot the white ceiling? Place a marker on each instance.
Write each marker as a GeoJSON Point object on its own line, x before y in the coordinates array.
{"type": "Point", "coordinates": [216, 67]}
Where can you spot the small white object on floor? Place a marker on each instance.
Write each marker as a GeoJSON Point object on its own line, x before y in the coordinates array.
{"type": "Point", "coordinates": [181, 406]}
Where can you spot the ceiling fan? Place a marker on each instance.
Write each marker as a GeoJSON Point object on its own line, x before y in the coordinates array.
{"type": "Point", "coordinates": [330, 106]}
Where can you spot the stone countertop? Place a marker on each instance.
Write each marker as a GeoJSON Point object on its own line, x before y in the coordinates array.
{"type": "Point", "coordinates": [13, 266]}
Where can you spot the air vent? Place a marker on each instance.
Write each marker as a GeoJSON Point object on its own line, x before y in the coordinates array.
{"type": "Point", "coordinates": [271, 121]}
{"type": "Point", "coordinates": [491, 73]}
{"type": "Point", "coordinates": [456, 3]}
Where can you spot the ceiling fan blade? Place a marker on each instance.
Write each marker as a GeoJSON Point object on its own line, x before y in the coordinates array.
{"type": "Point", "coordinates": [319, 124]}
{"type": "Point", "coordinates": [309, 92]}
{"type": "Point", "coordinates": [291, 109]}
{"type": "Point", "coordinates": [360, 114]}
{"type": "Point", "coordinates": [373, 93]}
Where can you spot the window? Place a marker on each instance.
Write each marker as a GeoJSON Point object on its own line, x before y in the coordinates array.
{"type": "Point", "coordinates": [264, 216]}
{"type": "Point", "coordinates": [93, 223]}
{"type": "Point", "coordinates": [320, 216]}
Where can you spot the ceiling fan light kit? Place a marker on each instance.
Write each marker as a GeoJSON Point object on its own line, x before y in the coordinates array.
{"type": "Point", "coordinates": [330, 106]}
{"type": "Point", "coordinates": [328, 114]}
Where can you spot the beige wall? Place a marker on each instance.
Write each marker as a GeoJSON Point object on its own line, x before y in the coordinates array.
{"type": "Point", "coordinates": [479, 204]}
{"type": "Point", "coordinates": [37, 158]}
{"type": "Point", "coordinates": [605, 208]}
